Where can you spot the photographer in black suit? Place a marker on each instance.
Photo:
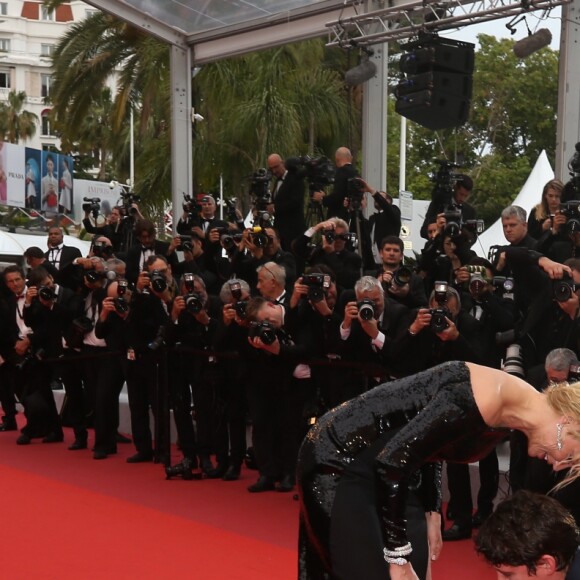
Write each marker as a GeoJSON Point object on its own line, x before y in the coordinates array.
{"type": "Point", "coordinates": [443, 197]}
{"type": "Point", "coordinates": [148, 246]}
{"type": "Point", "coordinates": [288, 197]}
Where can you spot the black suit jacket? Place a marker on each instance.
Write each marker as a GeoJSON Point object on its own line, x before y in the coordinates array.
{"type": "Point", "coordinates": [289, 209]}
{"type": "Point", "coordinates": [67, 255]}
{"type": "Point", "coordinates": [133, 259]}
{"type": "Point", "coordinates": [334, 202]}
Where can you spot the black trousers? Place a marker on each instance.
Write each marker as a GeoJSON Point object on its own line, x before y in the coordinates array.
{"type": "Point", "coordinates": [76, 408]}
{"type": "Point", "coordinates": [7, 398]}
{"type": "Point", "coordinates": [459, 484]}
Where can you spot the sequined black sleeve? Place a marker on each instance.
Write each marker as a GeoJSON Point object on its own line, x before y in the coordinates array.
{"type": "Point", "coordinates": [430, 489]}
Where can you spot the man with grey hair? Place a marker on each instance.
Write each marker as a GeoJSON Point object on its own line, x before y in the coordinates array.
{"type": "Point", "coordinates": [271, 282]}
{"type": "Point", "coordinates": [514, 221]}
{"type": "Point", "coordinates": [371, 323]}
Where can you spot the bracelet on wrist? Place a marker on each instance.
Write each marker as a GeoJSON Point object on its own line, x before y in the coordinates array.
{"type": "Point", "coordinates": [396, 556]}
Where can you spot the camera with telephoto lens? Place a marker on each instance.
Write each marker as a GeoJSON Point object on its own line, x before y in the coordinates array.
{"type": "Point", "coordinates": [190, 204]}
{"type": "Point", "coordinates": [318, 171]}
{"type": "Point", "coordinates": [30, 356]}
{"type": "Point", "coordinates": [259, 237]}
{"type": "Point", "coordinates": [318, 285]}
{"type": "Point", "coordinates": [562, 290]}
{"type": "Point", "coordinates": [402, 276]}
{"type": "Point", "coordinates": [194, 301]}
{"type": "Point", "coordinates": [229, 240]}
{"type": "Point", "coordinates": [571, 210]}
{"type": "Point", "coordinates": [79, 328]}
{"type": "Point", "coordinates": [128, 199]}
{"type": "Point", "coordinates": [183, 469]}
{"type": "Point", "coordinates": [455, 223]}
{"type": "Point", "coordinates": [101, 250]}
{"type": "Point", "coordinates": [120, 302]}
{"type": "Point", "coordinates": [366, 309]}
{"type": "Point", "coordinates": [46, 293]}
{"type": "Point", "coordinates": [231, 214]}
{"type": "Point", "coordinates": [477, 278]}
{"type": "Point", "coordinates": [513, 363]}
{"type": "Point", "coordinates": [439, 318]}
{"type": "Point", "coordinates": [158, 281]}
{"type": "Point", "coordinates": [264, 330]}
{"type": "Point", "coordinates": [92, 205]}
{"type": "Point", "coordinates": [329, 235]}
{"type": "Point", "coordinates": [94, 276]}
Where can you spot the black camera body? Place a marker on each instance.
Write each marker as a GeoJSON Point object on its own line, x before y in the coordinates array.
{"type": "Point", "coordinates": [402, 276]}
{"type": "Point", "coordinates": [264, 330]}
{"type": "Point", "coordinates": [94, 276]}
{"type": "Point", "coordinates": [562, 290]}
{"type": "Point", "coordinates": [93, 205]}
{"type": "Point", "coordinates": [229, 241]}
{"type": "Point", "coordinates": [128, 199]}
{"type": "Point", "coordinates": [194, 302]}
{"type": "Point", "coordinates": [260, 188]}
{"type": "Point", "coordinates": [455, 224]}
{"type": "Point", "coordinates": [318, 285]}
{"type": "Point", "coordinates": [259, 237]}
{"type": "Point", "coordinates": [101, 250]}
{"type": "Point", "coordinates": [571, 209]}
{"type": "Point", "coordinates": [190, 204]}
{"type": "Point", "coordinates": [503, 285]}
{"type": "Point", "coordinates": [366, 309]}
{"type": "Point", "coordinates": [318, 171]}
{"type": "Point", "coordinates": [46, 293]}
{"type": "Point", "coordinates": [120, 302]}
{"type": "Point", "coordinates": [438, 319]}
{"type": "Point", "coordinates": [158, 281]}
{"type": "Point", "coordinates": [240, 307]}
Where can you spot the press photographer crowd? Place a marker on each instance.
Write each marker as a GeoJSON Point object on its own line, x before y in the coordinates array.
{"type": "Point", "coordinates": [272, 325]}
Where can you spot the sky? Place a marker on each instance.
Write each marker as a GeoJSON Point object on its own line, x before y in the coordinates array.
{"type": "Point", "coordinates": [498, 29]}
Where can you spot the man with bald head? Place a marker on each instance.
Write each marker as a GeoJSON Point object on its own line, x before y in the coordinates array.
{"type": "Point", "coordinates": [334, 201]}
{"type": "Point", "coordinates": [288, 197]}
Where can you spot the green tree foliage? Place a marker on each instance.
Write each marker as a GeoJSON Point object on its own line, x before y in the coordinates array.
{"type": "Point", "coordinates": [15, 122]}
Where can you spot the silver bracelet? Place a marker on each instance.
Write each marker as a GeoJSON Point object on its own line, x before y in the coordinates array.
{"type": "Point", "coordinates": [397, 561]}
{"type": "Point", "coordinates": [396, 556]}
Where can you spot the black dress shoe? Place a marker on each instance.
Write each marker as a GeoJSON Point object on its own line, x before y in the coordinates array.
{"type": "Point", "coordinates": [140, 457]}
{"type": "Point", "coordinates": [479, 517]}
{"type": "Point", "coordinates": [206, 466]}
{"type": "Point", "coordinates": [23, 440]}
{"type": "Point", "coordinates": [286, 484]}
{"type": "Point", "coordinates": [78, 444]}
{"type": "Point", "coordinates": [8, 426]}
{"type": "Point", "coordinates": [218, 472]}
{"type": "Point", "coordinates": [53, 438]}
{"type": "Point", "coordinates": [457, 532]}
{"type": "Point", "coordinates": [232, 473]}
{"type": "Point", "coordinates": [122, 439]}
{"type": "Point", "coordinates": [100, 454]}
{"type": "Point", "coordinates": [263, 484]}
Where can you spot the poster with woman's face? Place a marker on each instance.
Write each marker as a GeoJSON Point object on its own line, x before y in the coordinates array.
{"type": "Point", "coordinates": [66, 184]}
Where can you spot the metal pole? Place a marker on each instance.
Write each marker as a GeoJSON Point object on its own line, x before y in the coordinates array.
{"type": "Point", "coordinates": [403, 155]}
{"type": "Point", "coordinates": [132, 154]}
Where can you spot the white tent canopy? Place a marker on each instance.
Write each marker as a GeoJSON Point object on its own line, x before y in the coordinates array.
{"type": "Point", "coordinates": [528, 197]}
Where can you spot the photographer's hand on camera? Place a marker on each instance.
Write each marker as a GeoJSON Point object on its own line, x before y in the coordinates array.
{"type": "Point", "coordinates": [450, 333]}
{"type": "Point", "coordinates": [555, 224]}
{"type": "Point", "coordinates": [422, 321]}
{"type": "Point", "coordinates": [554, 269]}
{"type": "Point", "coordinates": [300, 290]}
{"type": "Point", "coordinates": [22, 345]}
{"type": "Point", "coordinates": [258, 343]}
{"type": "Point", "coordinates": [350, 314]}
{"type": "Point", "coordinates": [570, 306]}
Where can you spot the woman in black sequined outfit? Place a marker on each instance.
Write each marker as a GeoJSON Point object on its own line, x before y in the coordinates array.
{"type": "Point", "coordinates": [358, 461]}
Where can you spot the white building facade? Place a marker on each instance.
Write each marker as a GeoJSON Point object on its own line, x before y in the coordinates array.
{"type": "Point", "coordinates": [29, 34]}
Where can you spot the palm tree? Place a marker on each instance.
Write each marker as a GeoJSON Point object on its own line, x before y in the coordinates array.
{"type": "Point", "coordinates": [15, 123]}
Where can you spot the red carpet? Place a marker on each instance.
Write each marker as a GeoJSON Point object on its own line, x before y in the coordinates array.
{"type": "Point", "coordinates": [67, 516]}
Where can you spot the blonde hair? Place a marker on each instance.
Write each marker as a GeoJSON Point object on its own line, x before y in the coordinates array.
{"type": "Point", "coordinates": [542, 211]}
{"type": "Point", "coordinates": [564, 398]}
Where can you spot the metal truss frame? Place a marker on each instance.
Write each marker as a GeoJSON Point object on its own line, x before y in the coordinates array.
{"type": "Point", "coordinates": [408, 18]}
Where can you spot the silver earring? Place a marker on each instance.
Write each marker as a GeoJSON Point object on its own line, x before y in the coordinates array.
{"type": "Point", "coordinates": [559, 443]}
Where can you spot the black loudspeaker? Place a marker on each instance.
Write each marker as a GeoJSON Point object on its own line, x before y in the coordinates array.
{"type": "Point", "coordinates": [436, 89]}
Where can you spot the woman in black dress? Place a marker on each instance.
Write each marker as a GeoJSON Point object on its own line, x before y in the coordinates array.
{"type": "Point", "coordinates": [358, 461]}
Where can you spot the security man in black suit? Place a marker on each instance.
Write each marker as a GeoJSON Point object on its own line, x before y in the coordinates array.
{"type": "Point", "coordinates": [148, 246]}
{"type": "Point", "coordinates": [22, 350]}
{"type": "Point", "coordinates": [288, 197]}
{"type": "Point", "coordinates": [149, 328]}
{"type": "Point", "coordinates": [334, 201]}
{"type": "Point", "coordinates": [61, 256]}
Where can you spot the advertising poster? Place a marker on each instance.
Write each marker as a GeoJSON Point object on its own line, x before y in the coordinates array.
{"type": "Point", "coordinates": [32, 179]}
{"type": "Point", "coordinates": [13, 172]}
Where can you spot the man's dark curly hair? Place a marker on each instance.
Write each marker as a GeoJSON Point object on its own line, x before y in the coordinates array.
{"type": "Point", "coordinates": [525, 527]}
